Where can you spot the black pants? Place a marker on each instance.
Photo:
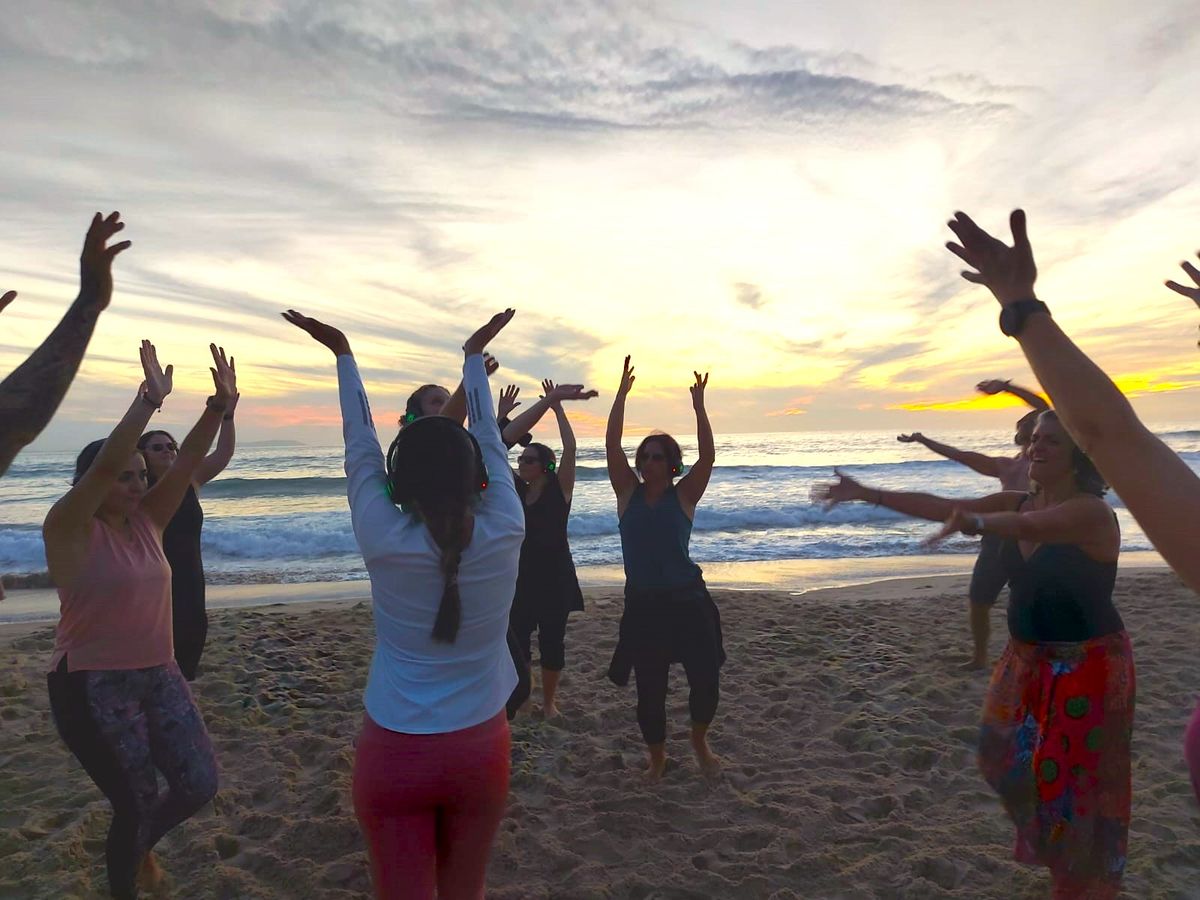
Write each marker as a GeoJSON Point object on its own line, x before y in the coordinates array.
{"type": "Point", "coordinates": [552, 634]}
{"type": "Point", "coordinates": [989, 576]}
{"type": "Point", "coordinates": [524, 683]}
{"type": "Point", "coordinates": [125, 726]}
{"type": "Point", "coordinates": [661, 627]}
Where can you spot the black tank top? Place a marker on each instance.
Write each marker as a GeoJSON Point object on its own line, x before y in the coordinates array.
{"type": "Point", "coordinates": [181, 546]}
{"type": "Point", "coordinates": [1059, 594]}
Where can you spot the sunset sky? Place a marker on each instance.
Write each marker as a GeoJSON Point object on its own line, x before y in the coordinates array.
{"type": "Point", "coordinates": [755, 189]}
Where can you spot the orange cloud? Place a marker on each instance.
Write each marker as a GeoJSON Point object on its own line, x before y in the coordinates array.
{"type": "Point", "coordinates": [284, 416]}
{"type": "Point", "coordinates": [791, 411]}
{"type": "Point", "coordinates": [1159, 381]}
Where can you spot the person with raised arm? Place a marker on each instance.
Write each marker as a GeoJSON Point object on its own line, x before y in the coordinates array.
{"type": "Point", "coordinates": [988, 578]}
{"type": "Point", "coordinates": [669, 615]}
{"type": "Point", "coordinates": [441, 541]}
{"type": "Point", "coordinates": [1157, 487]}
{"type": "Point", "coordinates": [547, 586]}
{"type": "Point", "coordinates": [1058, 716]}
{"type": "Point", "coordinates": [181, 540]}
{"type": "Point", "coordinates": [118, 699]}
{"type": "Point", "coordinates": [30, 395]}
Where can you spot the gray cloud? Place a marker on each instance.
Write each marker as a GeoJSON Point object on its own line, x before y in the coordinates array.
{"type": "Point", "coordinates": [749, 295]}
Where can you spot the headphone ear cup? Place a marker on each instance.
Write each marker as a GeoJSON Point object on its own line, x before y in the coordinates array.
{"type": "Point", "coordinates": [550, 467]}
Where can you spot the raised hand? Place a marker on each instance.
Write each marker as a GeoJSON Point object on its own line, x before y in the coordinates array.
{"type": "Point", "coordinates": [481, 338]}
{"type": "Point", "coordinates": [156, 384]}
{"type": "Point", "coordinates": [508, 401]}
{"type": "Point", "coordinates": [627, 378]}
{"type": "Point", "coordinates": [967, 523]}
{"type": "Point", "coordinates": [1008, 272]}
{"type": "Point", "coordinates": [491, 365]}
{"type": "Point", "coordinates": [992, 386]}
{"type": "Point", "coordinates": [697, 390]}
{"type": "Point", "coordinates": [1186, 290]}
{"type": "Point", "coordinates": [95, 262]}
{"type": "Point", "coordinates": [224, 377]}
{"type": "Point", "coordinates": [557, 393]}
{"type": "Point", "coordinates": [831, 493]}
{"type": "Point", "coordinates": [324, 334]}
{"type": "Point", "coordinates": [10, 296]}
{"type": "Point", "coordinates": [915, 438]}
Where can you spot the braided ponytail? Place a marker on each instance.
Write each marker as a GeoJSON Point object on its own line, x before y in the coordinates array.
{"type": "Point", "coordinates": [450, 533]}
{"type": "Point", "coordinates": [434, 470]}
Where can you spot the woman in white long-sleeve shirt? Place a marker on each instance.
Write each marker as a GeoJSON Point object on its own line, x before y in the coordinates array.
{"type": "Point", "coordinates": [441, 543]}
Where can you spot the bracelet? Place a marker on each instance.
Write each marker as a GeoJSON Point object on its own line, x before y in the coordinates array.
{"type": "Point", "coordinates": [228, 417]}
{"type": "Point", "coordinates": [878, 497]}
{"type": "Point", "coordinates": [212, 404]}
{"type": "Point", "coordinates": [157, 404]}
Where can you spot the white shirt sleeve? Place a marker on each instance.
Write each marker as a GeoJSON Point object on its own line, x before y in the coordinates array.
{"type": "Point", "coordinates": [371, 509]}
{"type": "Point", "coordinates": [501, 494]}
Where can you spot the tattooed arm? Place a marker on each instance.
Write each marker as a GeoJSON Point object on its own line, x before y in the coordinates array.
{"type": "Point", "coordinates": [31, 394]}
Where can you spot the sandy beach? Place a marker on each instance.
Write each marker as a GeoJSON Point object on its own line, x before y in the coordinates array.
{"type": "Point", "coordinates": [846, 729]}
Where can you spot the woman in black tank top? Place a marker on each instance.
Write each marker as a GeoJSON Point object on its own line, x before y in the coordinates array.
{"type": "Point", "coordinates": [181, 539]}
{"type": "Point", "coordinates": [1058, 717]}
{"type": "Point", "coordinates": [547, 588]}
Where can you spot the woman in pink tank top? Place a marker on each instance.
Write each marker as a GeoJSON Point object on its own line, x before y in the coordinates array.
{"type": "Point", "coordinates": [118, 698]}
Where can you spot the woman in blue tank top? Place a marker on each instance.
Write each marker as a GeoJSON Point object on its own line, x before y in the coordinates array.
{"type": "Point", "coordinates": [669, 616]}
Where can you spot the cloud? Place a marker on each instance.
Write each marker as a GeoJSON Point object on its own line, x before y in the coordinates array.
{"type": "Point", "coordinates": [748, 295]}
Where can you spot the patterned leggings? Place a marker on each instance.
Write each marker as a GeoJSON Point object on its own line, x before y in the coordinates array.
{"type": "Point", "coordinates": [123, 725]}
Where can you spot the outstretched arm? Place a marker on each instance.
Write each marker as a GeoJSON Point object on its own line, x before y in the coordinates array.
{"type": "Point", "coordinates": [1086, 521]}
{"type": "Point", "coordinates": [214, 464]}
{"type": "Point", "coordinates": [162, 500]}
{"type": "Point", "coordinates": [456, 406]}
{"type": "Point", "coordinates": [526, 421]}
{"type": "Point", "coordinates": [1032, 398]}
{"type": "Point", "coordinates": [620, 473]}
{"type": "Point", "coordinates": [566, 461]}
{"type": "Point", "coordinates": [919, 506]}
{"type": "Point", "coordinates": [32, 393]}
{"type": "Point", "coordinates": [984, 465]}
{"type": "Point", "coordinates": [72, 514]}
{"type": "Point", "coordinates": [695, 482]}
{"type": "Point", "coordinates": [1157, 487]}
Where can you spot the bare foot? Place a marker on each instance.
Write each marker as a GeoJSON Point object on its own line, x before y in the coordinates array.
{"type": "Point", "coordinates": [710, 763]}
{"type": "Point", "coordinates": [973, 665]}
{"type": "Point", "coordinates": [551, 712]}
{"type": "Point", "coordinates": [150, 875]}
{"type": "Point", "coordinates": [654, 770]}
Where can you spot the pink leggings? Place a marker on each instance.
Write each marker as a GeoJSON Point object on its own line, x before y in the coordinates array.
{"type": "Point", "coordinates": [429, 806]}
{"type": "Point", "coordinates": [1191, 749]}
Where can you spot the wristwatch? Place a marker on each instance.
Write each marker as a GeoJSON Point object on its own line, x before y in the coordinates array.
{"type": "Point", "coordinates": [1013, 316]}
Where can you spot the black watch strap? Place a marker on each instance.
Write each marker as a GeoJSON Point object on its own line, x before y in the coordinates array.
{"type": "Point", "coordinates": [1013, 316]}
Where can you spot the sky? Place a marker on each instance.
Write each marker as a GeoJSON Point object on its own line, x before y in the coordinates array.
{"type": "Point", "coordinates": [757, 190]}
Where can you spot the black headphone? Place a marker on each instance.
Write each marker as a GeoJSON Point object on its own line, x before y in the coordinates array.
{"type": "Point", "coordinates": [481, 471]}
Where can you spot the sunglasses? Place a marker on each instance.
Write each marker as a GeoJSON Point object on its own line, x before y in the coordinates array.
{"type": "Point", "coordinates": [529, 460]}
{"type": "Point", "coordinates": [159, 447]}
{"type": "Point", "coordinates": [653, 457]}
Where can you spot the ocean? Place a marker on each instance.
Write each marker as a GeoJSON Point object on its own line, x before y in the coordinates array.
{"type": "Point", "coordinates": [279, 514]}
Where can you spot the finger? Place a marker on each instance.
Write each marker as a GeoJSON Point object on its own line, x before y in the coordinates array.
{"type": "Point", "coordinates": [112, 251]}
{"type": "Point", "coordinates": [974, 277]}
{"type": "Point", "coordinates": [232, 368]}
{"type": "Point", "coordinates": [9, 297]}
{"type": "Point", "coordinates": [961, 252]}
{"type": "Point", "coordinates": [705, 382]}
{"type": "Point", "coordinates": [1192, 271]}
{"type": "Point", "coordinates": [1016, 221]}
{"type": "Point", "coordinates": [170, 372]}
